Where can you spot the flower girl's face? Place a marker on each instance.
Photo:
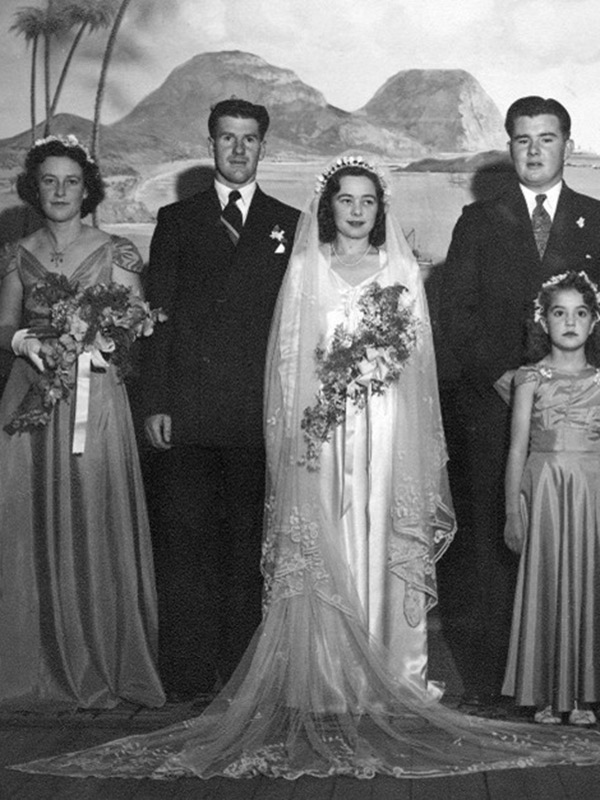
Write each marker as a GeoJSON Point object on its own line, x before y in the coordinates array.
{"type": "Point", "coordinates": [569, 321]}
{"type": "Point", "coordinates": [61, 187]}
{"type": "Point", "coordinates": [355, 206]}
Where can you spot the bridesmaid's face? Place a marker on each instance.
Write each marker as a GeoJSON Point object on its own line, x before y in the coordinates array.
{"type": "Point", "coordinates": [355, 206]}
{"type": "Point", "coordinates": [61, 187]}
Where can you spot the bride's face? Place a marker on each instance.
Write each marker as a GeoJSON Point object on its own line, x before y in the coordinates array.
{"type": "Point", "coordinates": [355, 207]}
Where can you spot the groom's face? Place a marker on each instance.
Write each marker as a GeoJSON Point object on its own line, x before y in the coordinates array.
{"type": "Point", "coordinates": [539, 149]}
{"type": "Point", "coordinates": [237, 148]}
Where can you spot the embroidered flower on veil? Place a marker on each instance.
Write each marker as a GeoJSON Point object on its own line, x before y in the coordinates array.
{"type": "Point", "coordinates": [359, 364]}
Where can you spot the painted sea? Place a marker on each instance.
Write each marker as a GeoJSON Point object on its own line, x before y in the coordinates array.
{"type": "Point", "coordinates": [427, 203]}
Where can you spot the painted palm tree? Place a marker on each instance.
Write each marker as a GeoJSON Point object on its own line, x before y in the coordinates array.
{"type": "Point", "coordinates": [56, 23]}
{"type": "Point", "coordinates": [30, 22]}
{"type": "Point", "coordinates": [85, 15]}
{"type": "Point", "coordinates": [118, 18]}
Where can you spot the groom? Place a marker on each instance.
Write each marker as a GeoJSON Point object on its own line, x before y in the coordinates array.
{"type": "Point", "coordinates": [216, 265]}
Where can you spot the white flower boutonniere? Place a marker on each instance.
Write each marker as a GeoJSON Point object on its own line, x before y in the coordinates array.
{"type": "Point", "coordinates": [581, 222]}
{"type": "Point", "coordinates": [279, 235]}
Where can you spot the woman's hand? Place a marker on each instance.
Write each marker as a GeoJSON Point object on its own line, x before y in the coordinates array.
{"type": "Point", "coordinates": [26, 344]}
{"type": "Point", "coordinates": [514, 532]}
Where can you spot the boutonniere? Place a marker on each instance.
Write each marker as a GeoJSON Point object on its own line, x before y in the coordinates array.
{"type": "Point", "coordinates": [279, 235]}
{"type": "Point", "coordinates": [580, 222]}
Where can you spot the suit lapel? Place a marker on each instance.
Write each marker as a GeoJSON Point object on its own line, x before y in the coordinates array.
{"type": "Point", "coordinates": [255, 227]}
{"type": "Point", "coordinates": [510, 218]}
{"type": "Point", "coordinates": [250, 250]}
{"type": "Point", "coordinates": [559, 232]}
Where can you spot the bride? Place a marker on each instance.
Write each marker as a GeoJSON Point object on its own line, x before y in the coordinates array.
{"type": "Point", "coordinates": [373, 486]}
{"type": "Point", "coordinates": [357, 512]}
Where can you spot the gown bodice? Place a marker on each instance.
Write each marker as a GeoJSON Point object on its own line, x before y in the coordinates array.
{"type": "Point", "coordinates": [340, 299]}
{"type": "Point", "coordinates": [96, 268]}
{"type": "Point", "coordinates": [566, 409]}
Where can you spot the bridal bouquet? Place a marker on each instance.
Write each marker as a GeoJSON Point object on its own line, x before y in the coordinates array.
{"type": "Point", "coordinates": [361, 363]}
{"type": "Point", "coordinates": [103, 320]}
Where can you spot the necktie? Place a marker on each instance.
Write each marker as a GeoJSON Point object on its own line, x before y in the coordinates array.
{"type": "Point", "coordinates": [231, 217]}
{"type": "Point", "coordinates": [541, 221]}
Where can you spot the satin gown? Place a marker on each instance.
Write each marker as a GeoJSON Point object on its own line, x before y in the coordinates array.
{"type": "Point", "coordinates": [356, 487]}
{"type": "Point", "coordinates": [313, 694]}
{"type": "Point", "coordinates": [78, 618]}
{"type": "Point", "coordinates": [554, 655]}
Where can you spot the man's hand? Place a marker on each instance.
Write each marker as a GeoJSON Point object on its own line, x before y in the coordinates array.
{"type": "Point", "coordinates": [514, 533]}
{"type": "Point", "coordinates": [158, 431]}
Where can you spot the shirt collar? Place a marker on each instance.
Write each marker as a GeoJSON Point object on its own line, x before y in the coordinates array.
{"type": "Point", "coordinates": [247, 193]}
{"type": "Point", "coordinates": [550, 202]}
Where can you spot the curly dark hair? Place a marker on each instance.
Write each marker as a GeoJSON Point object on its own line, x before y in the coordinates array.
{"type": "Point", "coordinates": [537, 341]}
{"type": "Point", "coordinates": [27, 181]}
{"type": "Point", "coordinates": [327, 229]}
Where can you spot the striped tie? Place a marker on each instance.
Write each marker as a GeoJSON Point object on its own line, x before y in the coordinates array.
{"type": "Point", "coordinates": [541, 221]}
{"type": "Point", "coordinates": [231, 217]}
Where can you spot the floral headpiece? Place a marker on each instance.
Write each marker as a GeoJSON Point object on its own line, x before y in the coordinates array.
{"type": "Point", "coordinates": [68, 141]}
{"type": "Point", "coordinates": [352, 161]}
{"type": "Point", "coordinates": [555, 280]}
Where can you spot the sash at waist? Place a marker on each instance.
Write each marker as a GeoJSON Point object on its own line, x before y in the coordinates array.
{"type": "Point", "coordinates": [565, 439]}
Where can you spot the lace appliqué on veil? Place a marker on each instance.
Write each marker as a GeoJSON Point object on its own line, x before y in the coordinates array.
{"type": "Point", "coordinates": [291, 555]}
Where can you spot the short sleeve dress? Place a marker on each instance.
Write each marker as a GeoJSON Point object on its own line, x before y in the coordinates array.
{"type": "Point", "coordinates": [78, 615]}
{"type": "Point", "coordinates": [555, 639]}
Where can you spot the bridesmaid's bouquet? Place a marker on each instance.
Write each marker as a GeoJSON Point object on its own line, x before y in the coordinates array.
{"type": "Point", "coordinates": [359, 364]}
{"type": "Point", "coordinates": [103, 320]}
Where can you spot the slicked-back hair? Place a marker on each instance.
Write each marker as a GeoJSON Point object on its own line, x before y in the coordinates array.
{"type": "Point", "coordinates": [533, 106]}
{"type": "Point", "coordinates": [28, 180]}
{"type": "Point", "coordinates": [242, 109]}
{"type": "Point", "coordinates": [327, 229]}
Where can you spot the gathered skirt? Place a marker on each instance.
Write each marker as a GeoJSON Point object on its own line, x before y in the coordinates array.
{"type": "Point", "coordinates": [554, 655]}
{"type": "Point", "coordinates": [78, 615]}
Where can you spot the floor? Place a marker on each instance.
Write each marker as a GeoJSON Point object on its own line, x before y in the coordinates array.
{"type": "Point", "coordinates": [27, 735]}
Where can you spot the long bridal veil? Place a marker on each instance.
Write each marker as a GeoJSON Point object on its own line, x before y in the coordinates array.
{"type": "Point", "coordinates": [312, 695]}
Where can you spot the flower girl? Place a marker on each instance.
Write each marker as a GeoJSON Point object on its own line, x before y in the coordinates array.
{"type": "Point", "coordinates": [553, 508]}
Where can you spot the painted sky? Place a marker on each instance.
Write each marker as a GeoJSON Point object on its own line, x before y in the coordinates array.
{"type": "Point", "coordinates": [344, 48]}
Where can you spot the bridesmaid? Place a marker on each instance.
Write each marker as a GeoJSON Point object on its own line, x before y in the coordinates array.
{"type": "Point", "coordinates": [78, 619]}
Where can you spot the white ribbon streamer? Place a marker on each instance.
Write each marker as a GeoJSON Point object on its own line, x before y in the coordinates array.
{"type": "Point", "coordinates": [82, 401]}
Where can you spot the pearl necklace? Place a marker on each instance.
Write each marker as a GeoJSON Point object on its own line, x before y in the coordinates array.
{"type": "Point", "coordinates": [58, 256]}
{"type": "Point", "coordinates": [350, 263]}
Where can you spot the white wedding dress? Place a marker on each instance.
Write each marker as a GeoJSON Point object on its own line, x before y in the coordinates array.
{"type": "Point", "coordinates": [334, 681]}
{"type": "Point", "coordinates": [357, 489]}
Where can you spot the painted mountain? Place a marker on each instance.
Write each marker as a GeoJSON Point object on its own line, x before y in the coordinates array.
{"type": "Point", "coordinates": [414, 114]}
{"type": "Point", "coordinates": [445, 110]}
{"type": "Point", "coordinates": [302, 122]}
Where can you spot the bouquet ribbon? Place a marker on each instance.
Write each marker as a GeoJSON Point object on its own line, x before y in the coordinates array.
{"type": "Point", "coordinates": [85, 362]}
{"type": "Point", "coordinates": [82, 401]}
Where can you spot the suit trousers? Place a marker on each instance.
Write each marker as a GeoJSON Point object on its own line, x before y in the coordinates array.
{"type": "Point", "coordinates": [477, 577]}
{"type": "Point", "coordinates": [206, 509]}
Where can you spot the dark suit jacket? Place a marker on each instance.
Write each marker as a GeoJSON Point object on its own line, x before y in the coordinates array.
{"type": "Point", "coordinates": [493, 273]}
{"type": "Point", "coordinates": [205, 365]}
